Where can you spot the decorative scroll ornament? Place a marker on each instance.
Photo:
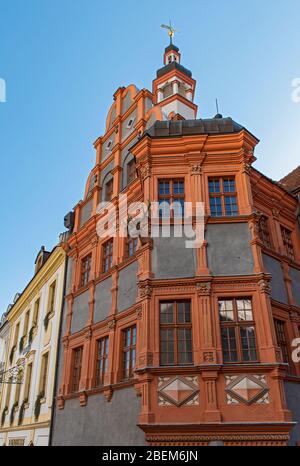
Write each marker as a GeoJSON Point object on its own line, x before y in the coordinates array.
{"type": "Point", "coordinates": [14, 375]}
{"type": "Point", "coordinates": [265, 286]}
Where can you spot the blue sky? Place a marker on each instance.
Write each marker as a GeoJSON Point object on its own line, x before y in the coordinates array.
{"type": "Point", "coordinates": [62, 60]}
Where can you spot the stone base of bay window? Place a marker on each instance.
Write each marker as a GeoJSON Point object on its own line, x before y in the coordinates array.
{"type": "Point", "coordinates": [218, 434]}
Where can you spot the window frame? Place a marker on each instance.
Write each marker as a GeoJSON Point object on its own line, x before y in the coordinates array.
{"type": "Point", "coordinates": [130, 171]}
{"type": "Point", "coordinates": [287, 242]}
{"type": "Point", "coordinates": [222, 195]}
{"type": "Point", "coordinates": [237, 324]}
{"type": "Point", "coordinates": [109, 190]}
{"type": "Point", "coordinates": [128, 374]}
{"type": "Point", "coordinates": [101, 357]}
{"type": "Point", "coordinates": [105, 256]}
{"type": "Point", "coordinates": [264, 232]}
{"type": "Point", "coordinates": [282, 342]}
{"type": "Point", "coordinates": [175, 326]}
{"type": "Point", "coordinates": [85, 269]}
{"type": "Point", "coordinates": [171, 197]}
{"type": "Point", "coordinates": [76, 376]}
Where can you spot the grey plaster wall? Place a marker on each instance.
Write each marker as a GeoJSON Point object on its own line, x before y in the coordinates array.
{"type": "Point", "coordinates": [229, 251]}
{"type": "Point", "coordinates": [100, 423]}
{"type": "Point", "coordinates": [86, 212]}
{"type": "Point", "coordinates": [80, 312]}
{"type": "Point", "coordinates": [105, 171]}
{"type": "Point", "coordinates": [127, 287]}
{"type": "Point", "coordinates": [126, 131]}
{"type": "Point", "coordinates": [295, 276]}
{"type": "Point", "coordinates": [292, 393]}
{"type": "Point", "coordinates": [273, 266]}
{"type": "Point", "coordinates": [103, 300]}
{"type": "Point", "coordinates": [171, 258]}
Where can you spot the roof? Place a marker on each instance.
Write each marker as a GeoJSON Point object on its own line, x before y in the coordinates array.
{"type": "Point", "coordinates": [190, 127]}
{"type": "Point", "coordinates": [173, 66]}
{"type": "Point", "coordinates": [292, 180]}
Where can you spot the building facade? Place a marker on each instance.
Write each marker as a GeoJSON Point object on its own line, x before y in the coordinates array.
{"type": "Point", "coordinates": [164, 344]}
{"type": "Point", "coordinates": [4, 334]}
{"type": "Point", "coordinates": [30, 366]}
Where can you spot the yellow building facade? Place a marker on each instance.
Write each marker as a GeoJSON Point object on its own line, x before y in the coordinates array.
{"type": "Point", "coordinates": [34, 321]}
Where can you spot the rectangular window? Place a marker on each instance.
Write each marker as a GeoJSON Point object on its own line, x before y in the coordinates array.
{"type": "Point", "coordinates": [85, 270]}
{"type": "Point", "coordinates": [223, 197]}
{"type": "Point", "coordinates": [176, 333]}
{"type": "Point", "coordinates": [51, 302]}
{"type": "Point", "coordinates": [237, 330]}
{"type": "Point", "coordinates": [129, 352]}
{"type": "Point", "coordinates": [44, 374]}
{"type": "Point", "coordinates": [101, 363]}
{"type": "Point", "coordinates": [132, 245]}
{"type": "Point", "coordinates": [131, 171]}
{"type": "Point", "coordinates": [171, 194]}
{"type": "Point", "coordinates": [264, 232]}
{"type": "Point", "coordinates": [107, 255]}
{"type": "Point", "coordinates": [76, 369]}
{"type": "Point", "coordinates": [8, 392]}
{"type": "Point", "coordinates": [26, 323]}
{"type": "Point", "coordinates": [109, 188]}
{"type": "Point", "coordinates": [288, 243]}
{"type": "Point", "coordinates": [35, 318]}
{"type": "Point", "coordinates": [281, 340]}
{"type": "Point", "coordinates": [28, 382]}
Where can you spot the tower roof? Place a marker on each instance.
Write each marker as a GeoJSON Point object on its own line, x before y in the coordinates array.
{"type": "Point", "coordinates": [173, 66]}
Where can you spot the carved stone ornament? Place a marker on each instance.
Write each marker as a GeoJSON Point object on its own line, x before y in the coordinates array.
{"type": "Point", "coordinates": [204, 289]}
{"type": "Point", "coordinates": [264, 286]}
{"type": "Point", "coordinates": [178, 391]}
{"type": "Point", "coordinates": [145, 171]}
{"type": "Point", "coordinates": [145, 291]}
{"type": "Point", "coordinates": [196, 169]}
{"type": "Point", "coordinates": [112, 324]}
{"type": "Point", "coordinates": [247, 389]}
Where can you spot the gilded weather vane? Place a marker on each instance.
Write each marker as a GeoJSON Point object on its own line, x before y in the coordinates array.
{"type": "Point", "coordinates": [171, 31]}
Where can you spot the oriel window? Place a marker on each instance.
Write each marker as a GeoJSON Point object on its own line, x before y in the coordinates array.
{"type": "Point", "coordinates": [129, 352]}
{"type": "Point", "coordinates": [176, 333]}
{"type": "Point", "coordinates": [237, 330]}
{"type": "Point", "coordinates": [223, 197]}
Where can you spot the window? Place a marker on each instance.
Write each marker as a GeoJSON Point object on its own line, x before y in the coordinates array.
{"type": "Point", "coordinates": [129, 352]}
{"type": "Point", "coordinates": [26, 323]}
{"type": "Point", "coordinates": [176, 333]}
{"type": "Point", "coordinates": [263, 231]}
{"type": "Point", "coordinates": [130, 123]}
{"type": "Point", "coordinates": [85, 270]}
{"type": "Point", "coordinates": [28, 382]}
{"type": "Point", "coordinates": [36, 312]}
{"type": "Point", "coordinates": [44, 374]}
{"type": "Point", "coordinates": [76, 369]}
{"type": "Point", "coordinates": [223, 197]}
{"type": "Point", "coordinates": [131, 171]}
{"type": "Point", "coordinates": [101, 364]}
{"type": "Point", "coordinates": [287, 243]}
{"type": "Point", "coordinates": [171, 192]}
{"type": "Point", "coordinates": [281, 339]}
{"type": "Point", "coordinates": [132, 245]}
{"type": "Point", "coordinates": [237, 330]}
{"type": "Point", "coordinates": [107, 256]}
{"type": "Point", "coordinates": [109, 187]}
{"type": "Point", "coordinates": [108, 145]}
{"type": "Point", "coordinates": [18, 389]}
{"type": "Point", "coordinates": [51, 303]}
{"type": "Point", "coordinates": [8, 392]}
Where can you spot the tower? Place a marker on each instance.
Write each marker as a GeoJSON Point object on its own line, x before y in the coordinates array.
{"type": "Point", "coordinates": [174, 87]}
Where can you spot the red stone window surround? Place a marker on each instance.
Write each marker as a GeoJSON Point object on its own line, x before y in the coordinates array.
{"type": "Point", "coordinates": [264, 231]}
{"type": "Point", "coordinates": [171, 191]}
{"type": "Point", "coordinates": [237, 330]}
{"type": "Point", "coordinates": [85, 271]}
{"type": "Point", "coordinates": [223, 196]}
{"type": "Point", "coordinates": [109, 188]}
{"type": "Point", "coordinates": [128, 352]}
{"type": "Point", "coordinates": [176, 333]}
{"type": "Point", "coordinates": [76, 368]}
{"type": "Point", "coordinates": [280, 329]}
{"type": "Point", "coordinates": [131, 246]}
{"type": "Point", "coordinates": [107, 255]}
{"type": "Point", "coordinates": [101, 360]}
{"type": "Point", "coordinates": [131, 171]}
{"type": "Point", "coordinates": [287, 242]}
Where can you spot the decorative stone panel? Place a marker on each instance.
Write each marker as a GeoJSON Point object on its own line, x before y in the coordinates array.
{"type": "Point", "coordinates": [247, 389]}
{"type": "Point", "coordinates": [178, 391]}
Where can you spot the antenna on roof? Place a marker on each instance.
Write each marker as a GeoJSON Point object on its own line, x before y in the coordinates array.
{"type": "Point", "coordinates": [218, 115]}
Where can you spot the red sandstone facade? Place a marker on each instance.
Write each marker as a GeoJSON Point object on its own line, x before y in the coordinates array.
{"type": "Point", "coordinates": [206, 399]}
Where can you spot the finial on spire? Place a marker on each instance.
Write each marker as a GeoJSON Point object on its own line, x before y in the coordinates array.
{"type": "Point", "coordinates": [171, 31]}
